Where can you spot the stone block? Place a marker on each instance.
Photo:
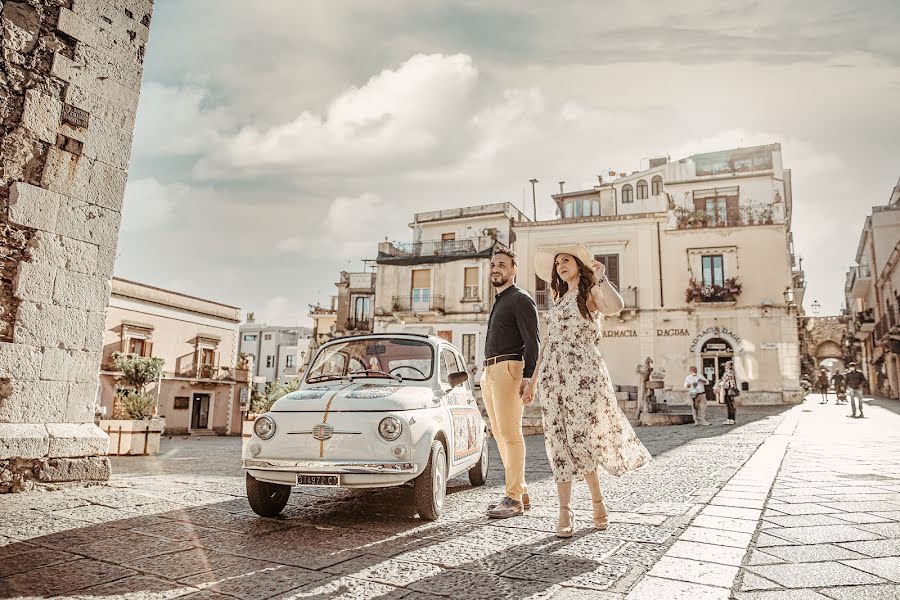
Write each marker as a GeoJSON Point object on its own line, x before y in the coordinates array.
{"type": "Point", "coordinates": [123, 67]}
{"type": "Point", "coordinates": [109, 144]}
{"type": "Point", "coordinates": [57, 365]}
{"type": "Point", "coordinates": [99, 107]}
{"type": "Point", "coordinates": [82, 399]}
{"type": "Point", "coordinates": [19, 361]}
{"type": "Point", "coordinates": [95, 325]}
{"type": "Point", "coordinates": [106, 262]}
{"type": "Point", "coordinates": [66, 173]}
{"type": "Point", "coordinates": [78, 290]}
{"type": "Point", "coordinates": [86, 367]}
{"type": "Point", "coordinates": [70, 71]}
{"type": "Point", "coordinates": [107, 185]}
{"type": "Point", "coordinates": [40, 115]}
{"type": "Point", "coordinates": [88, 223]}
{"type": "Point", "coordinates": [49, 325]}
{"type": "Point", "coordinates": [76, 439]}
{"type": "Point", "coordinates": [25, 401]}
{"type": "Point", "coordinates": [23, 440]}
{"type": "Point", "coordinates": [92, 468]}
{"type": "Point", "coordinates": [64, 253]}
{"type": "Point", "coordinates": [34, 281]}
{"type": "Point", "coordinates": [33, 206]}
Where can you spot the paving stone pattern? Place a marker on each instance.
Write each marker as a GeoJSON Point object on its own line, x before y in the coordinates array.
{"type": "Point", "coordinates": [178, 525]}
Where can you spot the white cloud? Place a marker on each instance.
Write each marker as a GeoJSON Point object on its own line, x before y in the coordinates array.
{"type": "Point", "coordinates": [400, 114]}
{"type": "Point", "coordinates": [149, 203]}
{"type": "Point", "coordinates": [281, 310]}
{"type": "Point", "coordinates": [176, 121]}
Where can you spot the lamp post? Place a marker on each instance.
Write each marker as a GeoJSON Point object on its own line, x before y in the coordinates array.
{"type": "Point", "coordinates": [816, 307]}
{"type": "Point", "coordinates": [789, 298]}
{"type": "Point", "coordinates": [533, 198]}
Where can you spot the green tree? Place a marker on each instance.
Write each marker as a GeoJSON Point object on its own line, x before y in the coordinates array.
{"type": "Point", "coordinates": [261, 403]}
{"type": "Point", "coordinates": [136, 373]}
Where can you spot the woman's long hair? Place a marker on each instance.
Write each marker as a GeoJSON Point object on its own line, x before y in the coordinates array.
{"type": "Point", "coordinates": [585, 283]}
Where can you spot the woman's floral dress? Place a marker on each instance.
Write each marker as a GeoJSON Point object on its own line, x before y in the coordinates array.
{"type": "Point", "coordinates": [583, 425]}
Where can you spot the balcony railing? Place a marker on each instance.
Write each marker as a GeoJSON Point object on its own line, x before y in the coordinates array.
{"type": "Point", "coordinates": [744, 216]}
{"type": "Point", "coordinates": [865, 321]}
{"type": "Point", "coordinates": [711, 294]}
{"type": "Point", "coordinates": [544, 298]}
{"type": "Point", "coordinates": [418, 304]}
{"type": "Point", "coordinates": [630, 296]}
{"type": "Point", "coordinates": [210, 372]}
{"type": "Point", "coordinates": [441, 247]}
{"type": "Point", "coordinates": [858, 280]}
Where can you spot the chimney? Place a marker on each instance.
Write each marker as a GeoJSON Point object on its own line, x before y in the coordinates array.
{"type": "Point", "coordinates": [600, 179]}
{"type": "Point", "coordinates": [561, 184]}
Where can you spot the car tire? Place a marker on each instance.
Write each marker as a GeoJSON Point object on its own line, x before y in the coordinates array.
{"type": "Point", "coordinates": [479, 471]}
{"type": "Point", "coordinates": [431, 486]}
{"type": "Point", "coordinates": [267, 499]}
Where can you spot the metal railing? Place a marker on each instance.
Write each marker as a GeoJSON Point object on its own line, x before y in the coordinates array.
{"type": "Point", "coordinates": [544, 298]}
{"type": "Point", "coordinates": [630, 296]}
{"type": "Point", "coordinates": [743, 216]}
{"type": "Point", "coordinates": [359, 325]}
{"type": "Point", "coordinates": [857, 272]}
{"type": "Point", "coordinates": [410, 304]}
{"type": "Point", "coordinates": [442, 247]}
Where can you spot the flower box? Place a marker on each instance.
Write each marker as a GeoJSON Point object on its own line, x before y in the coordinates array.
{"type": "Point", "coordinates": [133, 437]}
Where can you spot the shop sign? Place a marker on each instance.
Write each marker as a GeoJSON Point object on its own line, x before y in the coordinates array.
{"type": "Point", "coordinates": [620, 333]}
{"type": "Point", "coordinates": [767, 345]}
{"type": "Point", "coordinates": [672, 332]}
{"type": "Point", "coordinates": [718, 331]}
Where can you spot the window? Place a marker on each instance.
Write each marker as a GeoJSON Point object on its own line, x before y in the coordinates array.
{"type": "Point", "coordinates": [569, 208]}
{"type": "Point", "coordinates": [468, 348]}
{"type": "Point", "coordinates": [136, 346]}
{"type": "Point", "coordinates": [249, 337]}
{"type": "Point", "coordinates": [207, 357]}
{"type": "Point", "coordinates": [642, 190]}
{"type": "Point", "coordinates": [611, 262]}
{"type": "Point", "coordinates": [656, 185]}
{"type": "Point", "coordinates": [713, 269]}
{"type": "Point", "coordinates": [270, 361]}
{"type": "Point", "coordinates": [448, 237]}
{"type": "Point", "coordinates": [291, 361]}
{"type": "Point", "coordinates": [421, 289]}
{"type": "Point", "coordinates": [267, 337]}
{"type": "Point", "coordinates": [470, 281]}
{"type": "Point", "coordinates": [627, 194]}
{"type": "Point", "coordinates": [361, 305]}
{"type": "Point", "coordinates": [720, 204]}
{"type": "Point", "coordinates": [595, 208]}
{"type": "Point", "coordinates": [448, 365]}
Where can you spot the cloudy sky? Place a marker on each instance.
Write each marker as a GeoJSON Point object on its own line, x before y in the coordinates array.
{"type": "Point", "coordinates": [278, 141]}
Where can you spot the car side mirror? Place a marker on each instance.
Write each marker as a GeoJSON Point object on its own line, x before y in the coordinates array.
{"type": "Point", "coordinates": [457, 378]}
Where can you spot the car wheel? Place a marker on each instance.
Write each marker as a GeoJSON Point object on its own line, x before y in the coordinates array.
{"type": "Point", "coordinates": [267, 499]}
{"type": "Point", "coordinates": [431, 485]}
{"type": "Point", "coordinates": [478, 472]}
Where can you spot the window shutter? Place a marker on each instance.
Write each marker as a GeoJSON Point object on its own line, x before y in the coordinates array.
{"type": "Point", "coordinates": [471, 276]}
{"type": "Point", "coordinates": [148, 348]}
{"type": "Point", "coordinates": [421, 279]}
{"type": "Point", "coordinates": [699, 203]}
{"type": "Point", "coordinates": [612, 269]}
{"type": "Point", "coordinates": [733, 210]}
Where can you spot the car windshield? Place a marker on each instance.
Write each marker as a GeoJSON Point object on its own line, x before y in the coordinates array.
{"type": "Point", "coordinates": [374, 357]}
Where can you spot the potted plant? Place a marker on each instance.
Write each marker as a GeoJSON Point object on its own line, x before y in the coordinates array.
{"type": "Point", "coordinates": [135, 428]}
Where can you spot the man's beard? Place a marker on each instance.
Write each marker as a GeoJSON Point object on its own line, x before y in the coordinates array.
{"type": "Point", "coordinates": [503, 281]}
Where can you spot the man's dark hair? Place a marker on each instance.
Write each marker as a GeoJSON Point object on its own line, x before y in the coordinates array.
{"type": "Point", "coordinates": [501, 250]}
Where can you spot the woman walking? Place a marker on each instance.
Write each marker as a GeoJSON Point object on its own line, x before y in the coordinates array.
{"type": "Point", "coordinates": [584, 429]}
{"type": "Point", "coordinates": [730, 391]}
{"type": "Point", "coordinates": [822, 385]}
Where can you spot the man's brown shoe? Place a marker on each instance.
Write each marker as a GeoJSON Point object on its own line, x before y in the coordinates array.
{"type": "Point", "coordinates": [526, 502]}
{"type": "Point", "coordinates": [506, 509]}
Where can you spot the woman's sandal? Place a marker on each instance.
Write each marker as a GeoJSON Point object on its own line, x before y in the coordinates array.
{"type": "Point", "coordinates": [566, 532]}
{"type": "Point", "coordinates": [601, 521]}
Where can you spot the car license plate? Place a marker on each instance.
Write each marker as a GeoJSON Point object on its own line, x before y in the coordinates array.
{"type": "Point", "coordinates": [319, 480]}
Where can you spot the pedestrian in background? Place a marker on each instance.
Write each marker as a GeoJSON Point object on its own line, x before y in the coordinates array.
{"type": "Point", "coordinates": [696, 387]}
{"type": "Point", "coordinates": [855, 383]}
{"type": "Point", "coordinates": [822, 385]}
{"type": "Point", "coordinates": [730, 391]}
{"type": "Point", "coordinates": [839, 381]}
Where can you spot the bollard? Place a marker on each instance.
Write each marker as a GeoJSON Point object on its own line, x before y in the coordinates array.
{"type": "Point", "coordinates": [146, 437]}
{"type": "Point", "coordinates": [119, 443]}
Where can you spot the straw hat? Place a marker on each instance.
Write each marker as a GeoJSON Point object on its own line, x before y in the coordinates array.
{"type": "Point", "coordinates": [545, 258]}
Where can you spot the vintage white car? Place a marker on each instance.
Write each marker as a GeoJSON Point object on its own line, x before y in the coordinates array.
{"type": "Point", "coordinates": [372, 411]}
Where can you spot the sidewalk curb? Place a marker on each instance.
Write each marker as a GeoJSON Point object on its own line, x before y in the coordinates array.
{"type": "Point", "coordinates": [725, 527]}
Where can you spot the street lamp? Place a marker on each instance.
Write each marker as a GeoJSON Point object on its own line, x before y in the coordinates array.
{"type": "Point", "coordinates": [816, 307]}
{"type": "Point", "coordinates": [533, 198]}
{"type": "Point", "coordinates": [789, 298]}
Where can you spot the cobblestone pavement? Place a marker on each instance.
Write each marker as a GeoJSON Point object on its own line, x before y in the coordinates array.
{"type": "Point", "coordinates": [179, 525]}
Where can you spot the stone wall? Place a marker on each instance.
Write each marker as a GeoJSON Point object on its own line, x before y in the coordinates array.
{"type": "Point", "coordinates": [69, 84]}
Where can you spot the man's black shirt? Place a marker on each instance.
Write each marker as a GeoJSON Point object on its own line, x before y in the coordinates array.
{"type": "Point", "coordinates": [513, 327]}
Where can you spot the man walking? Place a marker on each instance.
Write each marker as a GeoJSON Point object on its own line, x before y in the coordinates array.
{"type": "Point", "coordinates": [839, 381]}
{"type": "Point", "coordinates": [696, 387]}
{"type": "Point", "coordinates": [855, 383]}
{"type": "Point", "coordinates": [511, 351]}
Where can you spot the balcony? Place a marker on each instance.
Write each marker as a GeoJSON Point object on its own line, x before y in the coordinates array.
{"type": "Point", "coordinates": [744, 216]}
{"type": "Point", "coordinates": [214, 373]}
{"type": "Point", "coordinates": [409, 304]}
{"type": "Point", "coordinates": [396, 252]}
{"type": "Point", "coordinates": [865, 321]}
{"type": "Point", "coordinates": [711, 295]}
{"type": "Point", "coordinates": [544, 299]}
{"type": "Point", "coordinates": [859, 278]}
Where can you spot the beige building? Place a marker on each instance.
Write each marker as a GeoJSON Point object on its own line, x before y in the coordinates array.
{"type": "Point", "coordinates": [355, 303]}
{"type": "Point", "coordinates": [701, 250]}
{"type": "Point", "coordinates": [440, 283]}
{"type": "Point", "coordinates": [873, 298]}
{"type": "Point", "coordinates": [200, 390]}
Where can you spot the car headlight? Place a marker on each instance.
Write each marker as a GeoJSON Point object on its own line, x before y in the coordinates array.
{"type": "Point", "coordinates": [389, 428]}
{"type": "Point", "coordinates": [264, 427]}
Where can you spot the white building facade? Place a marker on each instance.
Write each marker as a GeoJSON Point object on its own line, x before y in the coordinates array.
{"type": "Point", "coordinates": [276, 352]}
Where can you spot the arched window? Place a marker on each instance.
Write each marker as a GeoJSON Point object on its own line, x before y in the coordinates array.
{"type": "Point", "coordinates": [627, 193]}
{"type": "Point", "coordinates": [642, 190]}
{"type": "Point", "coordinates": [656, 185]}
